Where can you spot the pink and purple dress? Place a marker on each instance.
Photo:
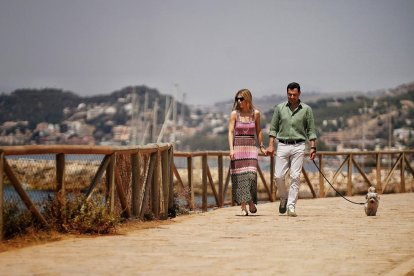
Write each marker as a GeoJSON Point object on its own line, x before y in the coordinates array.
{"type": "Point", "coordinates": [243, 168]}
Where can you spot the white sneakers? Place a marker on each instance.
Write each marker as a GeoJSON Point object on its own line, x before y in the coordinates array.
{"type": "Point", "coordinates": [291, 211]}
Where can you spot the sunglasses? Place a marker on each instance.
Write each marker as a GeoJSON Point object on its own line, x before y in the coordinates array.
{"type": "Point", "coordinates": [239, 99]}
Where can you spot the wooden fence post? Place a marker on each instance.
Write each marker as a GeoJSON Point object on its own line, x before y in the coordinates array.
{"type": "Point", "coordinates": [220, 180]}
{"type": "Point", "coordinates": [204, 182]}
{"type": "Point", "coordinates": [321, 179]}
{"type": "Point", "coordinates": [190, 181]}
{"type": "Point", "coordinates": [148, 183]}
{"type": "Point", "coordinates": [349, 185]}
{"type": "Point", "coordinates": [402, 166]}
{"type": "Point", "coordinates": [156, 186]}
{"type": "Point", "coordinates": [111, 182]}
{"type": "Point", "coordinates": [134, 183]}
{"type": "Point", "coordinates": [165, 181]}
{"type": "Point", "coordinates": [1, 194]}
{"type": "Point", "coordinates": [378, 164]}
{"type": "Point", "coordinates": [60, 185]}
{"type": "Point", "coordinates": [171, 179]}
{"type": "Point", "coordinates": [60, 172]}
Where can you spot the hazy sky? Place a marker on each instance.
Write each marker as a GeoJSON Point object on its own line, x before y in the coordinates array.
{"type": "Point", "coordinates": [209, 48]}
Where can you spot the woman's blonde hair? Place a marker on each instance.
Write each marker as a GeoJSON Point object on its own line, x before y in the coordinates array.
{"type": "Point", "coordinates": [247, 95]}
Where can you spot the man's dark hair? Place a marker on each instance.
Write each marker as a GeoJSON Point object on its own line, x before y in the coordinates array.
{"type": "Point", "coordinates": [293, 85]}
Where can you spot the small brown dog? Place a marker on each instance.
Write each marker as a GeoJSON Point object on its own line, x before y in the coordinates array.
{"type": "Point", "coordinates": [371, 205]}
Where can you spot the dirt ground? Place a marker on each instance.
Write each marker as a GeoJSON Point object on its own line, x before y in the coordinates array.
{"type": "Point", "coordinates": [329, 237]}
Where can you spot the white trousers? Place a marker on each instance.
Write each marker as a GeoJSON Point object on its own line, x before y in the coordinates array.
{"type": "Point", "coordinates": [289, 156]}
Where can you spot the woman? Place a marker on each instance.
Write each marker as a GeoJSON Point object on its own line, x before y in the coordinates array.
{"type": "Point", "coordinates": [244, 124]}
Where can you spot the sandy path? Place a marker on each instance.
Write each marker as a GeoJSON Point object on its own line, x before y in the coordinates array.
{"type": "Point", "coordinates": [329, 237]}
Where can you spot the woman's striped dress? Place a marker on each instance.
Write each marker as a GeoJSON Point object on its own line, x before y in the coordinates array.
{"type": "Point", "coordinates": [243, 168]}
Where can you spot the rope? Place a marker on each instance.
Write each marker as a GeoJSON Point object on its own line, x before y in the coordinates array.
{"type": "Point", "coordinates": [358, 203]}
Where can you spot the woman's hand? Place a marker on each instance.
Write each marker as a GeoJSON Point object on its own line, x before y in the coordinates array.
{"type": "Point", "coordinates": [263, 149]}
{"type": "Point", "coordinates": [231, 154]}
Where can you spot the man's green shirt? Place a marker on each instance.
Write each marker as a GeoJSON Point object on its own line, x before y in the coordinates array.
{"type": "Point", "coordinates": [296, 125]}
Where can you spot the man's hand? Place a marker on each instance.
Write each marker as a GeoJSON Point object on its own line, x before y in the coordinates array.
{"type": "Point", "coordinates": [312, 153]}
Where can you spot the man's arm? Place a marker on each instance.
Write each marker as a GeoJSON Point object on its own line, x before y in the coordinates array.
{"type": "Point", "coordinates": [274, 123]}
{"type": "Point", "coordinates": [312, 151]}
{"type": "Point", "coordinates": [274, 129]}
{"type": "Point", "coordinates": [271, 148]}
{"type": "Point", "coordinates": [230, 136]}
{"type": "Point", "coordinates": [311, 132]}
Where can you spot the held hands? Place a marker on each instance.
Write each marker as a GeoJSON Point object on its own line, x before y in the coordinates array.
{"type": "Point", "coordinates": [270, 150]}
{"type": "Point", "coordinates": [267, 151]}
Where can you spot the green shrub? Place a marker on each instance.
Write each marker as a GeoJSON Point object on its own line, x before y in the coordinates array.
{"type": "Point", "coordinates": [16, 220]}
{"type": "Point", "coordinates": [180, 208]}
{"type": "Point", "coordinates": [80, 215]}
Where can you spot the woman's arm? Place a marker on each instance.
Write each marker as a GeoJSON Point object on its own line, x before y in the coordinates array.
{"type": "Point", "coordinates": [232, 121]}
{"type": "Point", "coordinates": [259, 130]}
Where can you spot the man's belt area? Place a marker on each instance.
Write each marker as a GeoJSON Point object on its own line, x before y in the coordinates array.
{"type": "Point", "coordinates": [291, 142]}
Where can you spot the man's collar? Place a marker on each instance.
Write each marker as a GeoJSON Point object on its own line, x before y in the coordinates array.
{"type": "Point", "coordinates": [299, 105]}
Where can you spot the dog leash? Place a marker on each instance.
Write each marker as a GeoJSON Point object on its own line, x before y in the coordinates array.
{"type": "Point", "coordinates": [358, 203]}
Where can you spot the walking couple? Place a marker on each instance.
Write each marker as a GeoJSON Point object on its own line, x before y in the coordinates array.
{"type": "Point", "coordinates": [291, 125]}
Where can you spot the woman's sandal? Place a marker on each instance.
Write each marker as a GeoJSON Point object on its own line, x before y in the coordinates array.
{"type": "Point", "coordinates": [252, 210]}
{"type": "Point", "coordinates": [244, 213]}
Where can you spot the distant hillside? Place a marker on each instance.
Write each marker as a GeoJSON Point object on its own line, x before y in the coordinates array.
{"type": "Point", "coordinates": [56, 105]}
{"type": "Point", "coordinates": [268, 102]}
{"type": "Point", "coordinates": [386, 120]}
{"type": "Point", "coordinates": [34, 106]}
{"type": "Point", "coordinates": [49, 116]}
{"type": "Point", "coordinates": [353, 120]}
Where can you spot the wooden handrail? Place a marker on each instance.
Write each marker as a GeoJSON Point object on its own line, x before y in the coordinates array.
{"type": "Point", "coordinates": [153, 170]}
{"type": "Point", "coordinates": [350, 162]}
{"type": "Point", "coordinates": [156, 189]}
{"type": "Point", "coordinates": [82, 149]}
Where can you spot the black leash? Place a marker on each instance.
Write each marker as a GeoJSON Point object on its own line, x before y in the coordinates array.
{"type": "Point", "coordinates": [358, 203]}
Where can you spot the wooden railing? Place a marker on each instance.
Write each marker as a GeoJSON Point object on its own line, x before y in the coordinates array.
{"type": "Point", "coordinates": [395, 159]}
{"type": "Point", "coordinates": [223, 179]}
{"type": "Point", "coordinates": [141, 179]}
{"type": "Point", "coordinates": [148, 183]}
{"type": "Point", "coordinates": [349, 160]}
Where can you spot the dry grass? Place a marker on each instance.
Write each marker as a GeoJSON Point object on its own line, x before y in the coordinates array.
{"type": "Point", "coordinates": [41, 237]}
{"type": "Point", "coordinates": [32, 238]}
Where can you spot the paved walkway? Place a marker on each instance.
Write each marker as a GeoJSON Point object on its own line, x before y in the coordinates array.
{"type": "Point", "coordinates": [329, 237]}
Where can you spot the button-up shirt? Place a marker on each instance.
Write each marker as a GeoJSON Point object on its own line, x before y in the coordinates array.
{"type": "Point", "coordinates": [293, 125]}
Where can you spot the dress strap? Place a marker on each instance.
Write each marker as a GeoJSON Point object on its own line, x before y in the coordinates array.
{"type": "Point", "coordinates": [251, 117]}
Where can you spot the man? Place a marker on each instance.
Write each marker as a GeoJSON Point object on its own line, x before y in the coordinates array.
{"type": "Point", "coordinates": [292, 124]}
